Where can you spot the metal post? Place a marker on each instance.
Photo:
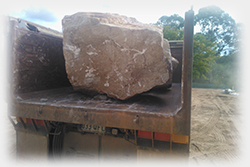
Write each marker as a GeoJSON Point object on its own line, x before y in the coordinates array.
{"type": "Point", "coordinates": [152, 137]}
{"type": "Point", "coordinates": [171, 134]}
{"type": "Point", "coordinates": [22, 122]}
{"type": "Point", "coordinates": [187, 67]}
{"type": "Point", "coordinates": [135, 137]}
{"type": "Point", "coordinates": [46, 126]}
{"type": "Point", "coordinates": [34, 124]}
{"type": "Point", "coordinates": [12, 122]}
{"type": "Point", "coordinates": [187, 59]}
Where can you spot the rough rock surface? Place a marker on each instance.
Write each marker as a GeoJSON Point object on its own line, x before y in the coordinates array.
{"type": "Point", "coordinates": [114, 54]}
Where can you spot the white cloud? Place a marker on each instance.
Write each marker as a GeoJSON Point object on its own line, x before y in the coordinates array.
{"type": "Point", "coordinates": [144, 11]}
{"type": "Point", "coordinates": [39, 14]}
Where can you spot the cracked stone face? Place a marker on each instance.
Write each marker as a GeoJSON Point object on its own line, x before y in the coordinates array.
{"type": "Point", "coordinates": [114, 54]}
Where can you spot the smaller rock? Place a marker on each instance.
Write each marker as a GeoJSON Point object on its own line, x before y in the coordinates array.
{"type": "Point", "coordinates": [100, 97]}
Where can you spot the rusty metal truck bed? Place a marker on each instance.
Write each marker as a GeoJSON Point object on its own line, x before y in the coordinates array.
{"type": "Point", "coordinates": [43, 92]}
{"type": "Point", "coordinates": [54, 120]}
{"type": "Point", "coordinates": [68, 105]}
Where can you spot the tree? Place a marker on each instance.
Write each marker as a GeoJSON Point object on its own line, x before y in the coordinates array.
{"type": "Point", "coordinates": [172, 34]}
{"type": "Point", "coordinates": [204, 57]}
{"type": "Point", "coordinates": [226, 70]}
{"type": "Point", "coordinates": [218, 26]}
{"type": "Point", "coordinates": [174, 22]}
{"type": "Point", "coordinates": [218, 35]}
{"type": "Point", "coordinates": [172, 26]}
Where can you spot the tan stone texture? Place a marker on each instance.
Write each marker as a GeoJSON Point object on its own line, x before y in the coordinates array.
{"type": "Point", "coordinates": [114, 54]}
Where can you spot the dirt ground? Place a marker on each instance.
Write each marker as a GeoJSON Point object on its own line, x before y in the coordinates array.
{"type": "Point", "coordinates": [215, 121]}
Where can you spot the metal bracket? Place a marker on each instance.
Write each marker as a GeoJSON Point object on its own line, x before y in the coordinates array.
{"type": "Point", "coordinates": [34, 124]}
{"type": "Point", "coordinates": [22, 122]}
{"type": "Point", "coordinates": [12, 122]}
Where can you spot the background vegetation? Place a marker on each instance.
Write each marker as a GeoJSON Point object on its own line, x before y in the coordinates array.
{"type": "Point", "coordinates": [216, 45]}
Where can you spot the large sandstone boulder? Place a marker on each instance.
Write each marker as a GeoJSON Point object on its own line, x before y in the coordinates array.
{"type": "Point", "coordinates": [114, 54]}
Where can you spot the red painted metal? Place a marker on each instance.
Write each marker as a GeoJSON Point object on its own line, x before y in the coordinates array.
{"type": "Point", "coordinates": [162, 136]}
{"type": "Point", "coordinates": [144, 134]}
{"type": "Point", "coordinates": [37, 121]}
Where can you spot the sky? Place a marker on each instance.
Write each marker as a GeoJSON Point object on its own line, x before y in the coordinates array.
{"type": "Point", "coordinates": [50, 13]}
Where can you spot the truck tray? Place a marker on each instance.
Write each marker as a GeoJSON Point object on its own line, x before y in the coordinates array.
{"type": "Point", "coordinates": [41, 90]}
{"type": "Point", "coordinates": [68, 105]}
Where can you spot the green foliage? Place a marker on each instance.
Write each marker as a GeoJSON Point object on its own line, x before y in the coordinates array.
{"type": "Point", "coordinates": [204, 56]}
{"type": "Point", "coordinates": [218, 26]}
{"type": "Point", "coordinates": [172, 34]}
{"type": "Point", "coordinates": [174, 21]}
{"type": "Point", "coordinates": [219, 36]}
{"type": "Point", "coordinates": [172, 26]}
{"type": "Point", "coordinates": [225, 70]}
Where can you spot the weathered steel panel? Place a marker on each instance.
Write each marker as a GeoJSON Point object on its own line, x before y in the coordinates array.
{"type": "Point", "coordinates": [149, 111]}
{"type": "Point", "coordinates": [159, 110]}
{"type": "Point", "coordinates": [37, 61]}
